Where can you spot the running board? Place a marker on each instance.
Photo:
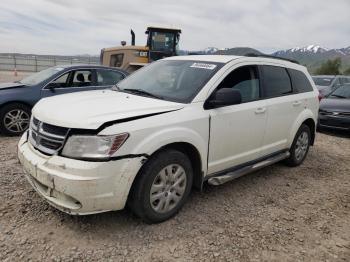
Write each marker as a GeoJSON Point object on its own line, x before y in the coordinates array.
{"type": "Point", "coordinates": [219, 180]}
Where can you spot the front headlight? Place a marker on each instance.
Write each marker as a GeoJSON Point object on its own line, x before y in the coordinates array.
{"type": "Point", "coordinates": [94, 147]}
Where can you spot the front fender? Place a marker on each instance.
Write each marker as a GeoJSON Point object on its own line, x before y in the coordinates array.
{"type": "Point", "coordinates": [153, 142]}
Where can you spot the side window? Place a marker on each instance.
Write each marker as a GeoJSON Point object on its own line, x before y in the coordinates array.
{"type": "Point", "coordinates": [62, 81]}
{"type": "Point", "coordinates": [108, 77]}
{"type": "Point", "coordinates": [300, 81]}
{"type": "Point", "coordinates": [245, 79]}
{"type": "Point", "coordinates": [344, 80]}
{"type": "Point", "coordinates": [116, 60]}
{"type": "Point", "coordinates": [276, 81]}
{"type": "Point", "coordinates": [82, 78]}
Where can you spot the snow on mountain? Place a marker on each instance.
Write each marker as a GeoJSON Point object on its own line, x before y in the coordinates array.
{"type": "Point", "coordinates": [213, 50]}
{"type": "Point", "coordinates": [345, 51]}
{"type": "Point", "coordinates": [210, 50]}
{"type": "Point", "coordinates": [313, 49]}
{"type": "Point", "coordinates": [316, 49]}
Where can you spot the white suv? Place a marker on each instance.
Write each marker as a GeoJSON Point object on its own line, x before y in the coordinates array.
{"type": "Point", "coordinates": [171, 126]}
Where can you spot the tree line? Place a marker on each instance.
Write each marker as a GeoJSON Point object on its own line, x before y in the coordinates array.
{"type": "Point", "coordinates": [332, 67]}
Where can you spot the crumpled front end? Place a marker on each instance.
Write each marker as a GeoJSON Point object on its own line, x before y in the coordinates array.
{"type": "Point", "coordinates": [75, 186]}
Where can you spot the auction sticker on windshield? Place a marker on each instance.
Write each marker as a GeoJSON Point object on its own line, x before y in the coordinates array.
{"type": "Point", "coordinates": [203, 66]}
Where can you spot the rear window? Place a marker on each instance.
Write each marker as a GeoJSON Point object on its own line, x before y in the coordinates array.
{"type": "Point", "coordinates": [300, 82]}
{"type": "Point", "coordinates": [323, 81]}
{"type": "Point", "coordinates": [108, 77]}
{"type": "Point", "coordinates": [276, 81]}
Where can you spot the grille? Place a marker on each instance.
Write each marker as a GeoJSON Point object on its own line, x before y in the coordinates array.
{"type": "Point", "coordinates": [334, 113]}
{"type": "Point", "coordinates": [47, 138]}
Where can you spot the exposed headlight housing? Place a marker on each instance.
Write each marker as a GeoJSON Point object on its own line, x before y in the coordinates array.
{"type": "Point", "coordinates": [93, 147]}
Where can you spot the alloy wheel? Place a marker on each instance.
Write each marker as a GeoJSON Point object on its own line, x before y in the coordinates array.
{"type": "Point", "coordinates": [302, 145]}
{"type": "Point", "coordinates": [168, 188]}
{"type": "Point", "coordinates": [16, 120]}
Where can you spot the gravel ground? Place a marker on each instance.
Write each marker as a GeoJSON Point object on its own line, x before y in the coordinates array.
{"type": "Point", "coordinates": [276, 214]}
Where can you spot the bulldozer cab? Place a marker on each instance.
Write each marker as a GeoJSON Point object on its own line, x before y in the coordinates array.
{"type": "Point", "coordinates": [162, 42]}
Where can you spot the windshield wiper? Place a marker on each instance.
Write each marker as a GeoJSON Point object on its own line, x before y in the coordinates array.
{"type": "Point", "coordinates": [141, 92]}
{"type": "Point", "coordinates": [338, 96]}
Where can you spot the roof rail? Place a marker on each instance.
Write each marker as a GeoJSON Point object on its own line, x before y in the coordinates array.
{"type": "Point", "coordinates": [271, 56]}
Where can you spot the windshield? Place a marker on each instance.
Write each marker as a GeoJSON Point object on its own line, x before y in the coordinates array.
{"type": "Point", "coordinates": [40, 76]}
{"type": "Point", "coordinates": [341, 92]}
{"type": "Point", "coordinates": [323, 81]}
{"type": "Point", "coordinates": [173, 80]}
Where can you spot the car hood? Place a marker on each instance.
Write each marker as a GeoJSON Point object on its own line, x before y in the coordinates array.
{"type": "Point", "coordinates": [10, 85]}
{"type": "Point", "coordinates": [335, 104]}
{"type": "Point", "coordinates": [92, 109]}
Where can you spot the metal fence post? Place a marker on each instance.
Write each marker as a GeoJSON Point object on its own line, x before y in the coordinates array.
{"type": "Point", "coordinates": [14, 61]}
{"type": "Point", "coordinates": [36, 64]}
{"type": "Point", "coordinates": [54, 61]}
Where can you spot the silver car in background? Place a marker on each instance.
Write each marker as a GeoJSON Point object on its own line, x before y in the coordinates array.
{"type": "Point", "coordinates": [328, 83]}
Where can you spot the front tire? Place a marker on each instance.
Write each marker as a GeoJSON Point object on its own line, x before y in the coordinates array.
{"type": "Point", "coordinates": [14, 119]}
{"type": "Point", "coordinates": [162, 186]}
{"type": "Point", "coordinates": [300, 146]}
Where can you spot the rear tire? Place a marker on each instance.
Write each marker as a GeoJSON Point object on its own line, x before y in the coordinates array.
{"type": "Point", "coordinates": [300, 146]}
{"type": "Point", "coordinates": [162, 186]}
{"type": "Point", "coordinates": [14, 119]}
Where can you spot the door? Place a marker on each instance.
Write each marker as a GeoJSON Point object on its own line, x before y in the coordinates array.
{"type": "Point", "coordinates": [70, 82]}
{"type": "Point", "coordinates": [107, 78]}
{"type": "Point", "coordinates": [237, 131]}
{"type": "Point", "coordinates": [283, 105]}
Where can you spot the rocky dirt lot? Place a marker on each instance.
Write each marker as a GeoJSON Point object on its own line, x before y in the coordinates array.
{"type": "Point", "coordinates": [275, 214]}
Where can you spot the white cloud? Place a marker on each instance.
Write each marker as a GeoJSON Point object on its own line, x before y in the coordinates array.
{"type": "Point", "coordinates": [86, 26]}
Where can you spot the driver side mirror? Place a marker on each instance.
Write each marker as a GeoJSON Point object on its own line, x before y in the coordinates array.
{"type": "Point", "coordinates": [223, 97]}
{"type": "Point", "coordinates": [52, 86]}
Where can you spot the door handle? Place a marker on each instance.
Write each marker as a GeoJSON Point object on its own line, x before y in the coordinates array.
{"type": "Point", "coordinates": [260, 110]}
{"type": "Point", "coordinates": [296, 103]}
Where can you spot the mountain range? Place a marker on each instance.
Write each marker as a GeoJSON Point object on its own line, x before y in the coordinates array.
{"type": "Point", "coordinates": [312, 56]}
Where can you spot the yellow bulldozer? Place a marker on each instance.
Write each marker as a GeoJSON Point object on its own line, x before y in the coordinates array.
{"type": "Point", "coordinates": [161, 42]}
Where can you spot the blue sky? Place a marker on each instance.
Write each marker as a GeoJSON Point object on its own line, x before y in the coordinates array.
{"type": "Point", "coordinates": [85, 26]}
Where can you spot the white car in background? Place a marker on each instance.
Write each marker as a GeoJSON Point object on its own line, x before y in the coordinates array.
{"type": "Point", "coordinates": [175, 124]}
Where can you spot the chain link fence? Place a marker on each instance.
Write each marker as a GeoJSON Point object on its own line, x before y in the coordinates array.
{"type": "Point", "coordinates": [36, 63]}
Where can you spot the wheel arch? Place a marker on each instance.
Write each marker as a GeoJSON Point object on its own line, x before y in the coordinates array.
{"type": "Point", "coordinates": [190, 151]}
{"type": "Point", "coordinates": [15, 102]}
{"type": "Point", "coordinates": [193, 154]}
{"type": "Point", "coordinates": [312, 125]}
{"type": "Point", "coordinates": [307, 118]}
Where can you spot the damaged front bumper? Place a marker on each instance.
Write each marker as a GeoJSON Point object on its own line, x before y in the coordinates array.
{"type": "Point", "coordinates": [79, 187]}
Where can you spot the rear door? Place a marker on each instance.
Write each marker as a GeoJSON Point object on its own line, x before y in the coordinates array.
{"type": "Point", "coordinates": [237, 131]}
{"type": "Point", "coordinates": [283, 107]}
{"type": "Point", "coordinates": [70, 82]}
